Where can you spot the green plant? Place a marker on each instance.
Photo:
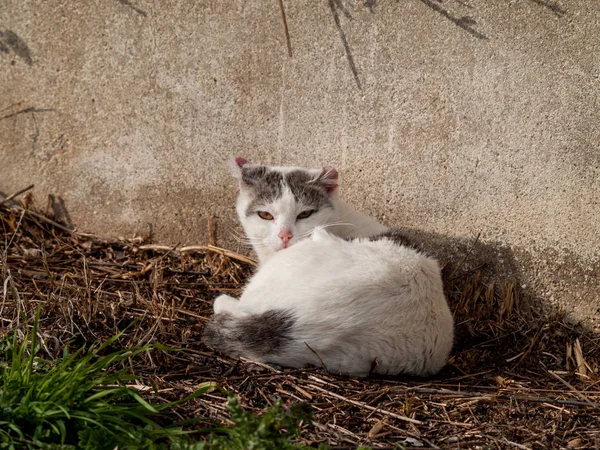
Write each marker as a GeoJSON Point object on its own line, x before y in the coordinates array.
{"type": "Point", "coordinates": [78, 401]}
{"type": "Point", "coordinates": [82, 401]}
{"type": "Point", "coordinates": [273, 430]}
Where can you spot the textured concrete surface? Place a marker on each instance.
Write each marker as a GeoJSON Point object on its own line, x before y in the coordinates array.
{"type": "Point", "coordinates": [452, 117]}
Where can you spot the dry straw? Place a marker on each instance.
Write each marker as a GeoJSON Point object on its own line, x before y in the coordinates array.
{"type": "Point", "coordinates": [516, 379]}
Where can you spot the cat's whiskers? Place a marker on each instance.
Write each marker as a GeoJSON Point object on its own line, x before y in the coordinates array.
{"type": "Point", "coordinates": [232, 231]}
{"type": "Point", "coordinates": [348, 213]}
{"type": "Point", "coordinates": [336, 222]}
{"type": "Point", "coordinates": [339, 222]}
{"type": "Point", "coordinates": [322, 227]}
{"type": "Point", "coordinates": [245, 240]}
{"type": "Point", "coordinates": [236, 235]}
{"type": "Point", "coordinates": [329, 215]}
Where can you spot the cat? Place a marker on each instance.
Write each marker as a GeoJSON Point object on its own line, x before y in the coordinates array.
{"type": "Point", "coordinates": [279, 206]}
{"type": "Point", "coordinates": [361, 306]}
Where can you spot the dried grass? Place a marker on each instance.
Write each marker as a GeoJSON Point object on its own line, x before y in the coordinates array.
{"type": "Point", "coordinates": [516, 379]}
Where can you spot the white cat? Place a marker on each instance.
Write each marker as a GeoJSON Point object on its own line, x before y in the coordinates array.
{"type": "Point", "coordinates": [279, 206]}
{"type": "Point", "coordinates": [367, 305]}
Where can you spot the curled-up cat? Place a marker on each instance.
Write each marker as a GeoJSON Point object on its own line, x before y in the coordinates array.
{"type": "Point", "coordinates": [360, 306]}
{"type": "Point", "coordinates": [279, 206]}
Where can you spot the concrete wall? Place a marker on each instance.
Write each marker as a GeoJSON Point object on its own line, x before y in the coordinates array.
{"type": "Point", "coordinates": [453, 117]}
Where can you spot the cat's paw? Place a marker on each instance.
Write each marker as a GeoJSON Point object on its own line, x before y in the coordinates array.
{"type": "Point", "coordinates": [225, 304]}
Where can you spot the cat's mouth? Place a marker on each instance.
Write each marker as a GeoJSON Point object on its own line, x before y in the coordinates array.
{"type": "Point", "coordinates": [283, 246]}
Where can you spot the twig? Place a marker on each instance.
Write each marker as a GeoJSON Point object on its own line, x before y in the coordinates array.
{"type": "Point", "coordinates": [318, 356]}
{"type": "Point", "coordinates": [260, 364]}
{"type": "Point", "coordinates": [219, 250]}
{"type": "Point", "coordinates": [514, 444]}
{"type": "Point", "coordinates": [202, 248]}
{"type": "Point", "coordinates": [534, 341]}
{"type": "Point", "coordinates": [10, 197]}
{"type": "Point", "coordinates": [467, 254]}
{"type": "Point", "coordinates": [582, 365]}
{"type": "Point", "coordinates": [230, 254]}
{"type": "Point", "coordinates": [48, 221]}
{"type": "Point", "coordinates": [285, 28]}
{"type": "Point", "coordinates": [365, 406]}
{"type": "Point", "coordinates": [408, 433]}
{"type": "Point", "coordinates": [504, 397]}
{"type": "Point", "coordinates": [210, 229]}
{"type": "Point", "coordinates": [58, 225]}
{"type": "Point", "coordinates": [155, 247]}
{"type": "Point", "coordinates": [570, 386]}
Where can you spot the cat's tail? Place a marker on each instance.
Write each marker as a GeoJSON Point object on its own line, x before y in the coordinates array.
{"type": "Point", "coordinates": [255, 337]}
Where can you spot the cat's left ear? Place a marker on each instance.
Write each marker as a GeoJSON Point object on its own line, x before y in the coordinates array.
{"type": "Point", "coordinates": [236, 166]}
{"type": "Point", "coordinates": [328, 179]}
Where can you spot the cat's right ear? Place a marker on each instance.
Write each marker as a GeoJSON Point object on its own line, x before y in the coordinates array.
{"type": "Point", "coordinates": [328, 179]}
{"type": "Point", "coordinates": [236, 166]}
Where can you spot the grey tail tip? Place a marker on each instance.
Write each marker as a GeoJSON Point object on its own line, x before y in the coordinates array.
{"type": "Point", "coordinates": [257, 335]}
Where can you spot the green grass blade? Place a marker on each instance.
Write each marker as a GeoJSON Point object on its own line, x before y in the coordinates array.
{"type": "Point", "coordinates": [143, 402]}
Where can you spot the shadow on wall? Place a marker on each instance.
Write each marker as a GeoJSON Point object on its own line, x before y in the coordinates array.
{"type": "Point", "coordinates": [466, 22]}
{"type": "Point", "coordinates": [554, 7]}
{"type": "Point", "coordinates": [11, 42]}
{"type": "Point", "coordinates": [335, 6]}
{"type": "Point", "coordinates": [133, 7]}
{"type": "Point", "coordinates": [31, 112]}
{"type": "Point", "coordinates": [55, 210]}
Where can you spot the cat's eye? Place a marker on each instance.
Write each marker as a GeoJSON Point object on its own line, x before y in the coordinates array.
{"type": "Point", "coordinates": [305, 214]}
{"type": "Point", "coordinates": [265, 215]}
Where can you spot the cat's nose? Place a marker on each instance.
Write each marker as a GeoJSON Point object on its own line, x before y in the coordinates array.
{"type": "Point", "coordinates": [285, 236]}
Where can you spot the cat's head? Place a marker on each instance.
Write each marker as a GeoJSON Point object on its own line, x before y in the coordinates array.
{"type": "Point", "coordinates": [279, 206]}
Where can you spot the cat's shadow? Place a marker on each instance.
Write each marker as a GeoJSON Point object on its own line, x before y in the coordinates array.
{"type": "Point", "coordinates": [501, 327]}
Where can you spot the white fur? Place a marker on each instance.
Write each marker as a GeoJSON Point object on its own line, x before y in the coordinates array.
{"type": "Point", "coordinates": [362, 306]}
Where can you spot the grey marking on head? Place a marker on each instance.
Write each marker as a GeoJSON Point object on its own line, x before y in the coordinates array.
{"type": "Point", "coordinates": [305, 191]}
{"type": "Point", "coordinates": [258, 335]}
{"type": "Point", "coordinates": [267, 186]}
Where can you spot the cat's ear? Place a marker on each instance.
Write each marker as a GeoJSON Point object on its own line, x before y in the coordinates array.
{"type": "Point", "coordinates": [236, 166]}
{"type": "Point", "coordinates": [328, 179]}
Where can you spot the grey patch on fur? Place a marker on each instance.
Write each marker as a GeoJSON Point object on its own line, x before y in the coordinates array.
{"type": "Point", "coordinates": [309, 194]}
{"type": "Point", "coordinates": [396, 236]}
{"type": "Point", "coordinates": [267, 185]}
{"type": "Point", "coordinates": [258, 335]}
